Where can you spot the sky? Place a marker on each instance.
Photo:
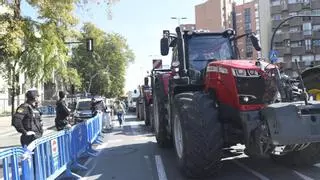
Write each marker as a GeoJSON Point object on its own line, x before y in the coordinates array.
{"type": "Point", "coordinates": [141, 22]}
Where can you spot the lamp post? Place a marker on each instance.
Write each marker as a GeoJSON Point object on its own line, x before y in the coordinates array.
{"type": "Point", "coordinates": [179, 19]}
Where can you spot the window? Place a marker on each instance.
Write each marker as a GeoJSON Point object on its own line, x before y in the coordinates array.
{"type": "Point", "coordinates": [275, 2]}
{"type": "Point", "coordinates": [316, 42]}
{"type": "Point", "coordinates": [280, 59]}
{"type": "Point", "coordinates": [315, 12]}
{"type": "Point", "coordinates": [295, 44]}
{"type": "Point", "coordinates": [276, 17]}
{"type": "Point", "coordinates": [317, 57]}
{"type": "Point", "coordinates": [307, 29]}
{"type": "Point", "coordinates": [294, 58]}
{"type": "Point", "coordinates": [307, 59]}
{"type": "Point", "coordinates": [316, 27]}
{"type": "Point", "coordinates": [247, 15]}
{"type": "Point", "coordinates": [295, 29]}
{"type": "Point", "coordinates": [287, 42]}
{"type": "Point", "coordinates": [279, 31]}
{"type": "Point", "coordinates": [308, 44]}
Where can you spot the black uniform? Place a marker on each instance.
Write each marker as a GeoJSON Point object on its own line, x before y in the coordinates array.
{"type": "Point", "coordinates": [62, 113]}
{"type": "Point", "coordinates": [27, 118]}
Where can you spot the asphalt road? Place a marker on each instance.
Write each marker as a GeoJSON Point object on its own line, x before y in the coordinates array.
{"type": "Point", "coordinates": [131, 153]}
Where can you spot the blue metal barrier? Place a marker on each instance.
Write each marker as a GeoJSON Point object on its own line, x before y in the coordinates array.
{"type": "Point", "coordinates": [54, 154]}
{"type": "Point", "coordinates": [12, 164]}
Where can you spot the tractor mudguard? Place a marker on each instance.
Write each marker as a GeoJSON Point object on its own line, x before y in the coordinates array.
{"type": "Point", "coordinates": [293, 123]}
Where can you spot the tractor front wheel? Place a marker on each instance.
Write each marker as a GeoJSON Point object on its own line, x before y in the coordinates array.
{"type": "Point", "coordinates": [198, 137]}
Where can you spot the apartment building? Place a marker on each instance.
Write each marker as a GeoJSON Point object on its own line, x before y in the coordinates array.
{"type": "Point", "coordinates": [246, 15]}
{"type": "Point", "coordinates": [214, 15]}
{"type": "Point", "coordinates": [299, 38]}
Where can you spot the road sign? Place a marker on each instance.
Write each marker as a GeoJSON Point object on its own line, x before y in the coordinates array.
{"type": "Point", "coordinates": [55, 153]}
{"type": "Point", "coordinates": [273, 56]}
{"type": "Point", "coordinates": [157, 64]}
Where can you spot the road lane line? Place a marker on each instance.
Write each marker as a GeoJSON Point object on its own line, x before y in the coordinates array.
{"type": "Point", "coordinates": [304, 177]}
{"type": "Point", "coordinates": [160, 168]}
{"type": "Point", "coordinates": [114, 141]}
{"type": "Point", "coordinates": [149, 165]}
{"type": "Point", "coordinates": [262, 177]}
{"type": "Point", "coordinates": [99, 148]}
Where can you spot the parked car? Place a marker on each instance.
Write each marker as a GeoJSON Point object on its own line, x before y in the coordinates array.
{"type": "Point", "coordinates": [82, 110]}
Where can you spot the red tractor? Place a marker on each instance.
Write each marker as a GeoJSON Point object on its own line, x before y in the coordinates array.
{"type": "Point", "coordinates": [211, 100]}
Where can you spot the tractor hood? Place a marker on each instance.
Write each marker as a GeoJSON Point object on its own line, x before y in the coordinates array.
{"type": "Point", "coordinates": [311, 78]}
{"type": "Point", "coordinates": [241, 64]}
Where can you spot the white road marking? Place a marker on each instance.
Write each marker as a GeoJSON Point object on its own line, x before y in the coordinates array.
{"type": "Point", "coordinates": [149, 165]}
{"type": "Point", "coordinates": [317, 165]}
{"type": "Point", "coordinates": [304, 177]}
{"type": "Point", "coordinates": [260, 176]}
{"type": "Point", "coordinates": [160, 168]}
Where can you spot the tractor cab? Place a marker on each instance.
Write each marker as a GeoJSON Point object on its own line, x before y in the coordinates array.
{"type": "Point", "coordinates": [193, 50]}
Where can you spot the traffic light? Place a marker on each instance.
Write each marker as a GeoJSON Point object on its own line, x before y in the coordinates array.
{"type": "Point", "coordinates": [89, 43]}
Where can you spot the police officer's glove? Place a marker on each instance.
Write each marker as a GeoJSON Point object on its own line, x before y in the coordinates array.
{"type": "Point", "coordinates": [30, 133]}
{"type": "Point", "coordinates": [68, 126]}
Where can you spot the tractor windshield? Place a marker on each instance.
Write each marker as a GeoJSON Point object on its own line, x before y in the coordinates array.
{"type": "Point", "coordinates": [203, 49]}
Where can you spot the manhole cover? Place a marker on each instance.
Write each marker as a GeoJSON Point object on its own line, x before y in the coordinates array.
{"type": "Point", "coordinates": [118, 151]}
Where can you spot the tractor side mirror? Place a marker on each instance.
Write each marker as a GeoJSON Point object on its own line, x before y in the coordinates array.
{"type": "Point", "coordinates": [164, 43]}
{"type": "Point", "coordinates": [255, 42]}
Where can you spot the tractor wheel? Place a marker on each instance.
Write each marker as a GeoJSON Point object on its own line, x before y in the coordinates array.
{"type": "Point", "coordinates": [160, 123]}
{"type": "Point", "coordinates": [198, 137]}
{"type": "Point", "coordinates": [306, 157]}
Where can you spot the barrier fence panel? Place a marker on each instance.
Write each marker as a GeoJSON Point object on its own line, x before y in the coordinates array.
{"type": "Point", "coordinates": [54, 154]}
{"type": "Point", "coordinates": [79, 143]}
{"type": "Point", "coordinates": [12, 163]}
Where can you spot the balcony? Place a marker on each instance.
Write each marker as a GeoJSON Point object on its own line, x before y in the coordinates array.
{"type": "Point", "coordinates": [283, 51]}
{"type": "Point", "coordinates": [297, 51]}
{"type": "Point", "coordinates": [315, 20]}
{"type": "Point", "coordinates": [281, 37]}
{"type": "Point", "coordinates": [315, 4]}
{"type": "Point", "coordinates": [316, 49]}
{"type": "Point", "coordinates": [296, 21]}
{"type": "Point", "coordinates": [296, 36]}
{"type": "Point", "coordinates": [294, 7]}
{"type": "Point", "coordinates": [276, 10]}
{"type": "Point", "coordinates": [316, 34]}
{"type": "Point", "coordinates": [275, 23]}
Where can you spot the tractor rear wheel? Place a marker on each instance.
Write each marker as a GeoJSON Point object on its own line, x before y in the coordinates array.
{"type": "Point", "coordinates": [198, 137]}
{"type": "Point", "coordinates": [306, 157]}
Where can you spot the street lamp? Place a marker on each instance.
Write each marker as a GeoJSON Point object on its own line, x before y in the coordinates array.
{"type": "Point", "coordinates": [179, 19]}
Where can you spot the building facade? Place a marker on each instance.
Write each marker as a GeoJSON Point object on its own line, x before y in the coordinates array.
{"type": "Point", "coordinates": [245, 22]}
{"type": "Point", "coordinates": [299, 38]}
{"type": "Point", "coordinates": [214, 15]}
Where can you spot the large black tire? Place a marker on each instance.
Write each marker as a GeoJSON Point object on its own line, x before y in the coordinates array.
{"type": "Point", "coordinates": [160, 118]}
{"type": "Point", "coordinates": [306, 157]}
{"type": "Point", "coordinates": [200, 136]}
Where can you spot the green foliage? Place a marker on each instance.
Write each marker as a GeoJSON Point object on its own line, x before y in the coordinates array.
{"type": "Point", "coordinates": [37, 47]}
{"type": "Point", "coordinates": [110, 58]}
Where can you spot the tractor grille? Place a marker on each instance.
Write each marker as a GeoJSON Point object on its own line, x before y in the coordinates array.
{"type": "Point", "coordinates": [250, 88]}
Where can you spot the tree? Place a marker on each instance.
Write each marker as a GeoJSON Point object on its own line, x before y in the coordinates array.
{"type": "Point", "coordinates": [35, 47]}
{"type": "Point", "coordinates": [110, 58]}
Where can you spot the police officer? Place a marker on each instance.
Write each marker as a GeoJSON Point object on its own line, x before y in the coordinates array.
{"type": "Point", "coordinates": [62, 113]}
{"type": "Point", "coordinates": [27, 119]}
